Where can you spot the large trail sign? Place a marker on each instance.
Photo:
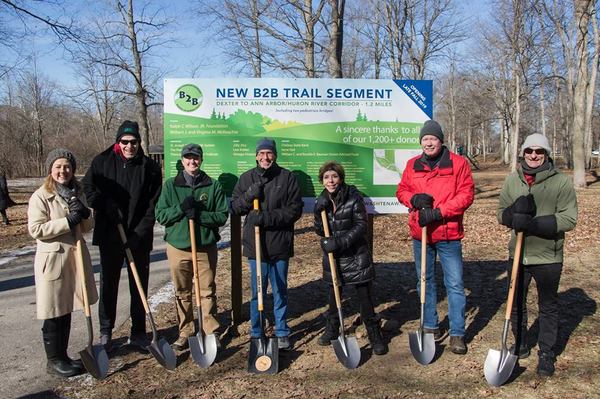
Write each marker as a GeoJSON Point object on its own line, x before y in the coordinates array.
{"type": "Point", "coordinates": [370, 126]}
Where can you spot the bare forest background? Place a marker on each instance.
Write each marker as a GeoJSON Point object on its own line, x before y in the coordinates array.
{"type": "Point", "coordinates": [525, 67]}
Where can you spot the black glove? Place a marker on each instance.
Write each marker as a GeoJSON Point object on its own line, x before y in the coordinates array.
{"type": "Point", "coordinates": [421, 201]}
{"type": "Point", "coordinates": [329, 244]}
{"type": "Point", "coordinates": [255, 218]}
{"type": "Point", "coordinates": [75, 205]}
{"type": "Point", "coordinates": [254, 191]}
{"type": "Point", "coordinates": [133, 240]}
{"type": "Point", "coordinates": [322, 204]}
{"type": "Point", "coordinates": [543, 226]}
{"type": "Point", "coordinates": [111, 209]}
{"type": "Point", "coordinates": [74, 218]}
{"type": "Point", "coordinates": [521, 221]}
{"type": "Point", "coordinates": [524, 204]}
{"type": "Point", "coordinates": [428, 216]}
{"type": "Point", "coordinates": [188, 207]}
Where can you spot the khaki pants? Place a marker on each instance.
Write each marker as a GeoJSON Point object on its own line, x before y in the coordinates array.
{"type": "Point", "coordinates": [182, 273]}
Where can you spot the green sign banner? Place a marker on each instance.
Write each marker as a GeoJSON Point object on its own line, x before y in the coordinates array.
{"type": "Point", "coordinates": [370, 126]}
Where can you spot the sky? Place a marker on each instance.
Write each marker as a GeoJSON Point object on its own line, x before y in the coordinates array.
{"type": "Point", "coordinates": [194, 53]}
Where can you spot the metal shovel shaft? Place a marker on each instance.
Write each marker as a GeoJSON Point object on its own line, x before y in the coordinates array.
{"type": "Point", "coordinates": [499, 365]}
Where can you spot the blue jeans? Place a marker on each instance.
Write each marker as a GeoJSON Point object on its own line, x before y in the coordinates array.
{"type": "Point", "coordinates": [450, 254]}
{"type": "Point", "coordinates": [276, 272]}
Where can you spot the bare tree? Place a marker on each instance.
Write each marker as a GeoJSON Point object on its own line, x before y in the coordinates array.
{"type": "Point", "coordinates": [336, 38]}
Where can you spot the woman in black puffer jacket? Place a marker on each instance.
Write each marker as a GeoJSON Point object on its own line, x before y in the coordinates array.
{"type": "Point", "coordinates": [347, 218]}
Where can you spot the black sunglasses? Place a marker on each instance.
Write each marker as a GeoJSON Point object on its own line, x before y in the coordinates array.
{"type": "Point", "coordinates": [125, 142]}
{"type": "Point", "coordinates": [538, 151]}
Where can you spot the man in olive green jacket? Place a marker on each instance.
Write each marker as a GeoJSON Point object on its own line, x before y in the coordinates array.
{"type": "Point", "coordinates": [539, 201]}
{"type": "Point", "coordinates": [192, 194]}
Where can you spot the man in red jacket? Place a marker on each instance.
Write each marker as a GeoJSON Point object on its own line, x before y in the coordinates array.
{"type": "Point", "coordinates": [437, 187]}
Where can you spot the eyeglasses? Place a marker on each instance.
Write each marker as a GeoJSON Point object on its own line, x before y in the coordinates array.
{"type": "Point", "coordinates": [538, 151]}
{"type": "Point", "coordinates": [125, 142]}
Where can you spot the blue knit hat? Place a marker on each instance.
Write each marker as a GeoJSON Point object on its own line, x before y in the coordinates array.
{"type": "Point", "coordinates": [266, 144]}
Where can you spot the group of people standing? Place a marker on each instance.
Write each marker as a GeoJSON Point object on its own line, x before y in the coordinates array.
{"type": "Point", "coordinates": [123, 186]}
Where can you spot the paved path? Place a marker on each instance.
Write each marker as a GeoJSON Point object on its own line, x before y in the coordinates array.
{"type": "Point", "coordinates": [22, 358]}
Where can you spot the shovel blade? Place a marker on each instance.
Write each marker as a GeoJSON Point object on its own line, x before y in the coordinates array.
{"type": "Point", "coordinates": [203, 349]}
{"type": "Point", "coordinates": [95, 360]}
{"type": "Point", "coordinates": [499, 366]}
{"type": "Point", "coordinates": [422, 346]}
{"type": "Point", "coordinates": [264, 356]}
{"type": "Point", "coordinates": [347, 351]}
{"type": "Point", "coordinates": [163, 353]}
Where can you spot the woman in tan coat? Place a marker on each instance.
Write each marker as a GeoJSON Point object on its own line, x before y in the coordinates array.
{"type": "Point", "coordinates": [56, 211]}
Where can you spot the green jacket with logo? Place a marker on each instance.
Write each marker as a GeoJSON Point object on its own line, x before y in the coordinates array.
{"type": "Point", "coordinates": [211, 212]}
{"type": "Point", "coordinates": [553, 194]}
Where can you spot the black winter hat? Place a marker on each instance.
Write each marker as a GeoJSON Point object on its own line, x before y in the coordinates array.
{"type": "Point", "coordinates": [432, 128]}
{"type": "Point", "coordinates": [59, 153]}
{"type": "Point", "coordinates": [266, 144]}
{"type": "Point", "coordinates": [193, 149]}
{"type": "Point", "coordinates": [128, 127]}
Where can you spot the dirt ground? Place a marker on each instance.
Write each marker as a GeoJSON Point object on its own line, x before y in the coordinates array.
{"type": "Point", "coordinates": [312, 371]}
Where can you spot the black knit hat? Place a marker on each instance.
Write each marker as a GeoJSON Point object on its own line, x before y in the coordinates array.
{"type": "Point", "coordinates": [59, 153]}
{"type": "Point", "coordinates": [128, 127]}
{"type": "Point", "coordinates": [431, 128]}
{"type": "Point", "coordinates": [191, 149]}
{"type": "Point", "coordinates": [266, 144]}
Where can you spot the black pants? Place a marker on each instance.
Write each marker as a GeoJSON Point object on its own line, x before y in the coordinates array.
{"type": "Point", "coordinates": [55, 333]}
{"type": "Point", "coordinates": [547, 278]}
{"type": "Point", "coordinates": [111, 259]}
{"type": "Point", "coordinates": [4, 217]}
{"type": "Point", "coordinates": [365, 302]}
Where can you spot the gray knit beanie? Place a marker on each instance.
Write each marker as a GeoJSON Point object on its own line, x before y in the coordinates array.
{"type": "Point", "coordinates": [432, 128]}
{"type": "Point", "coordinates": [266, 144]}
{"type": "Point", "coordinates": [536, 140]}
{"type": "Point", "coordinates": [58, 153]}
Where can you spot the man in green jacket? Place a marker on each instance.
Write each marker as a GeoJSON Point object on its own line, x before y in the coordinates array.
{"type": "Point", "coordinates": [192, 194]}
{"type": "Point", "coordinates": [539, 201]}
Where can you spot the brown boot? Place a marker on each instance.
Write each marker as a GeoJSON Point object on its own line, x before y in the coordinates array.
{"type": "Point", "coordinates": [457, 345]}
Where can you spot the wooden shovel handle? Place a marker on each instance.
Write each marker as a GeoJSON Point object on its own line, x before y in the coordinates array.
{"type": "Point", "coordinates": [513, 275]}
{"type": "Point", "coordinates": [81, 267]}
{"type": "Point", "coordinates": [423, 262]}
{"type": "Point", "coordinates": [332, 264]}
{"type": "Point", "coordinates": [134, 271]}
{"type": "Point", "coordinates": [257, 248]}
{"type": "Point", "coordinates": [195, 261]}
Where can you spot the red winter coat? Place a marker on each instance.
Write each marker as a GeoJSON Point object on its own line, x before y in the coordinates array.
{"type": "Point", "coordinates": [450, 183]}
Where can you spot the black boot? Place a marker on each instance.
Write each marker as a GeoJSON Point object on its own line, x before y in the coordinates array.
{"type": "Point", "coordinates": [545, 366]}
{"type": "Point", "coordinates": [65, 333]}
{"type": "Point", "coordinates": [332, 330]}
{"type": "Point", "coordinates": [375, 337]}
{"type": "Point", "coordinates": [53, 345]}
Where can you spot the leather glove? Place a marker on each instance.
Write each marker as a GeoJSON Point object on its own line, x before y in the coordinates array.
{"type": "Point", "coordinates": [254, 191]}
{"type": "Point", "coordinates": [329, 244]}
{"type": "Point", "coordinates": [188, 206]}
{"type": "Point", "coordinates": [428, 216]}
{"type": "Point", "coordinates": [111, 209]}
{"type": "Point", "coordinates": [524, 204]}
{"type": "Point", "coordinates": [74, 218]}
{"type": "Point", "coordinates": [521, 221]}
{"type": "Point", "coordinates": [421, 201]}
{"type": "Point", "coordinates": [322, 204]}
{"type": "Point", "coordinates": [75, 205]}
{"type": "Point", "coordinates": [255, 218]}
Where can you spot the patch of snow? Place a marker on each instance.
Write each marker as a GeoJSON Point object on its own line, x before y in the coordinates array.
{"type": "Point", "coordinates": [164, 295]}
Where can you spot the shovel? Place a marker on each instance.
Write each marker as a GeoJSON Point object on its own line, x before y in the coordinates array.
{"type": "Point", "coordinates": [422, 345]}
{"type": "Point", "coordinates": [346, 348]}
{"type": "Point", "coordinates": [94, 357]}
{"type": "Point", "coordinates": [264, 352]}
{"type": "Point", "coordinates": [203, 349]}
{"type": "Point", "coordinates": [499, 364]}
{"type": "Point", "coordinates": [159, 348]}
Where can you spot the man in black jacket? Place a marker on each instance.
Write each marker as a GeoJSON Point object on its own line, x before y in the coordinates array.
{"type": "Point", "coordinates": [278, 192]}
{"type": "Point", "coordinates": [122, 186]}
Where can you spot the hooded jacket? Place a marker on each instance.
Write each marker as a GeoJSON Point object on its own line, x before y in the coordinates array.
{"type": "Point", "coordinates": [281, 206]}
{"type": "Point", "coordinates": [348, 226]}
{"type": "Point", "coordinates": [553, 194]}
{"type": "Point", "coordinates": [134, 185]}
{"type": "Point", "coordinates": [450, 183]}
{"type": "Point", "coordinates": [211, 212]}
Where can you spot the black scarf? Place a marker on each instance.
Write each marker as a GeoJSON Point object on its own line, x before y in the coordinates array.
{"type": "Point", "coordinates": [66, 192]}
{"type": "Point", "coordinates": [547, 165]}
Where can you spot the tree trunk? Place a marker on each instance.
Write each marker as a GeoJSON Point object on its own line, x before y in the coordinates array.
{"type": "Point", "coordinates": [336, 40]}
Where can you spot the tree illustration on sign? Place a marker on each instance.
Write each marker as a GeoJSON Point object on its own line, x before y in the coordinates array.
{"type": "Point", "coordinates": [388, 161]}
